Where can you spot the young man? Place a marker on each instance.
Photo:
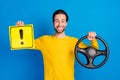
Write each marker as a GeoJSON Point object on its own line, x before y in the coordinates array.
{"type": "Point", "coordinates": [58, 49]}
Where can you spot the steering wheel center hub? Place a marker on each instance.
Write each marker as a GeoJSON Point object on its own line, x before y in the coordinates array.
{"type": "Point", "coordinates": [91, 52]}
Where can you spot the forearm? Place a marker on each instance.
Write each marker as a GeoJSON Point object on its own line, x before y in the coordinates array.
{"type": "Point", "coordinates": [94, 44]}
{"type": "Point", "coordinates": [82, 45]}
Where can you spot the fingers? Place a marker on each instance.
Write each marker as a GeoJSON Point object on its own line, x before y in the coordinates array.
{"type": "Point", "coordinates": [91, 36]}
{"type": "Point", "coordinates": [20, 23]}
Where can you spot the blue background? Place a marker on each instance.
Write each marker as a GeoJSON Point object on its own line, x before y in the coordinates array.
{"type": "Point", "coordinates": [101, 16]}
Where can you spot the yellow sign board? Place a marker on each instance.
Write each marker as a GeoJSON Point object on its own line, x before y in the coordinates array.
{"type": "Point", "coordinates": [21, 37]}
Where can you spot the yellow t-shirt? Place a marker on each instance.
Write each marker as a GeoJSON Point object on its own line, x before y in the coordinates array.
{"type": "Point", "coordinates": [58, 56]}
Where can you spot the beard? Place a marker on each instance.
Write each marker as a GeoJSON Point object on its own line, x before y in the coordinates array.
{"type": "Point", "coordinates": [59, 31]}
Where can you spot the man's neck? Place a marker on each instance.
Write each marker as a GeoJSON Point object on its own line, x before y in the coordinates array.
{"type": "Point", "coordinates": [60, 35]}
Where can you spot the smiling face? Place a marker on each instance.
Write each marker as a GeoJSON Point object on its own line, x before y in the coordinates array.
{"type": "Point", "coordinates": [60, 23]}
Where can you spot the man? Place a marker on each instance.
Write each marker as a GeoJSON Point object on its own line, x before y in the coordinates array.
{"type": "Point", "coordinates": [58, 49]}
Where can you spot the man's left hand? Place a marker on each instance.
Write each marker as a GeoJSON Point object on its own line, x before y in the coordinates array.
{"type": "Point", "coordinates": [91, 35]}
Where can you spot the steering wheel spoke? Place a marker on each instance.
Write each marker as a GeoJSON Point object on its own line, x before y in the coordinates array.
{"type": "Point", "coordinates": [101, 52]}
{"type": "Point", "coordinates": [90, 62]}
{"type": "Point", "coordinates": [81, 50]}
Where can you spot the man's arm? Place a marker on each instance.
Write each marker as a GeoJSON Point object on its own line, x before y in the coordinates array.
{"type": "Point", "coordinates": [92, 37]}
{"type": "Point", "coordinates": [94, 44]}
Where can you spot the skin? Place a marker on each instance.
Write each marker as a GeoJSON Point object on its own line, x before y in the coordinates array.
{"type": "Point", "coordinates": [60, 24]}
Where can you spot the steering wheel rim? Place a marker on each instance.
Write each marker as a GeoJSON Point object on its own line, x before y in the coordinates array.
{"type": "Point", "coordinates": [90, 58]}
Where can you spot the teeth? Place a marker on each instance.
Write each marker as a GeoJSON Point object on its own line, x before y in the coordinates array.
{"type": "Point", "coordinates": [60, 28]}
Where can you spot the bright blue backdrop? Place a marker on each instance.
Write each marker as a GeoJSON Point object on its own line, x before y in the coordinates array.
{"type": "Point", "coordinates": [102, 16]}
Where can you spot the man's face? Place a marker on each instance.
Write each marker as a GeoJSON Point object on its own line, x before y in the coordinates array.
{"type": "Point", "coordinates": [60, 23]}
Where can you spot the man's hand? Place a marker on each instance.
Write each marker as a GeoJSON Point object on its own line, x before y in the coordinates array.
{"type": "Point", "coordinates": [91, 35]}
{"type": "Point", "coordinates": [19, 23]}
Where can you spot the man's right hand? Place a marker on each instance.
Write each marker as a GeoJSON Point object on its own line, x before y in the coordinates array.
{"type": "Point", "coordinates": [19, 23]}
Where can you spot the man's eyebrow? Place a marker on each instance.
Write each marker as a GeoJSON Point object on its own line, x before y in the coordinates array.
{"type": "Point", "coordinates": [61, 19]}
{"type": "Point", "coordinates": [56, 19]}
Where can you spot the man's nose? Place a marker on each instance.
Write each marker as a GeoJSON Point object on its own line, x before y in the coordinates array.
{"type": "Point", "coordinates": [60, 23]}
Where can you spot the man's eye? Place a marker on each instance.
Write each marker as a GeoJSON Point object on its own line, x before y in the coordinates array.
{"type": "Point", "coordinates": [56, 21]}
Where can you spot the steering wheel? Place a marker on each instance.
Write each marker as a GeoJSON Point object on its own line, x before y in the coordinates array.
{"type": "Point", "coordinates": [91, 53]}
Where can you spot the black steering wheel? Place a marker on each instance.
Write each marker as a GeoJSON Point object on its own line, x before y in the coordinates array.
{"type": "Point", "coordinates": [91, 53]}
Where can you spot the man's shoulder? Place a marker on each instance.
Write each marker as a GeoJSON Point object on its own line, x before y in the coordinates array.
{"type": "Point", "coordinates": [44, 37]}
{"type": "Point", "coordinates": [72, 37]}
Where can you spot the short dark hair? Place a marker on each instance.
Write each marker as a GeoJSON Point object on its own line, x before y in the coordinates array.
{"type": "Point", "coordinates": [60, 11]}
